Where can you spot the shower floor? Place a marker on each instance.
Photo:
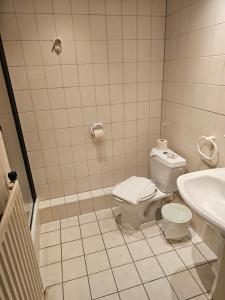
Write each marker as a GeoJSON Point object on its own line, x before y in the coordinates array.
{"type": "Point", "coordinates": [90, 257]}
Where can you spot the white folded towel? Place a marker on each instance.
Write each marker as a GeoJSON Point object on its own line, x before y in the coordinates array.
{"type": "Point", "coordinates": [134, 189]}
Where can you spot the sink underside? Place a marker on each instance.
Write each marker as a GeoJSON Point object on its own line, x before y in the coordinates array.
{"type": "Point", "coordinates": [204, 192]}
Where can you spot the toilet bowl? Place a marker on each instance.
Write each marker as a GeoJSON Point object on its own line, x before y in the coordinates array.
{"type": "Point", "coordinates": [165, 167]}
{"type": "Point", "coordinates": [132, 216]}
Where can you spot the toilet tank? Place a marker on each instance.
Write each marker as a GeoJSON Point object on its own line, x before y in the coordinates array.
{"type": "Point", "coordinates": [165, 167]}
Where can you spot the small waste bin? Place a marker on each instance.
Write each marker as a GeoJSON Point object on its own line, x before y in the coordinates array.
{"type": "Point", "coordinates": [176, 218]}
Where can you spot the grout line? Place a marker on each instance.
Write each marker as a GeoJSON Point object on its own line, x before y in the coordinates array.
{"type": "Point", "coordinates": [85, 262]}
{"type": "Point", "coordinates": [193, 267]}
{"type": "Point", "coordinates": [111, 267]}
{"type": "Point", "coordinates": [133, 261]}
{"type": "Point", "coordinates": [61, 260]}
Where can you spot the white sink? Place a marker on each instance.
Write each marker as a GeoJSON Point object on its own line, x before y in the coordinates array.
{"type": "Point", "coordinates": [204, 192]}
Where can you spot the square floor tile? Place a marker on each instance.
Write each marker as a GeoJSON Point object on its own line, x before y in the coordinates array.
{"type": "Point", "coordinates": [54, 292]}
{"type": "Point", "coordinates": [134, 293]}
{"type": "Point", "coordinates": [51, 226]}
{"type": "Point", "coordinates": [93, 244]}
{"type": "Point", "coordinates": [108, 225]}
{"type": "Point", "coordinates": [119, 256]}
{"type": "Point", "coordinates": [132, 236]}
{"type": "Point", "coordinates": [87, 218]}
{"type": "Point", "coordinates": [69, 222]}
{"type": "Point", "coordinates": [191, 256]}
{"type": "Point", "coordinates": [97, 262]}
{"type": "Point", "coordinates": [102, 284]}
{"type": "Point", "coordinates": [204, 276]}
{"type": "Point", "coordinates": [70, 234]}
{"type": "Point", "coordinates": [72, 249]}
{"type": "Point", "coordinates": [184, 285]}
{"type": "Point", "coordinates": [113, 239]}
{"type": "Point", "coordinates": [77, 289]}
{"type": "Point", "coordinates": [51, 274]}
{"type": "Point", "coordinates": [74, 268]}
{"type": "Point", "coordinates": [50, 239]}
{"type": "Point", "coordinates": [206, 252]}
{"type": "Point", "coordinates": [104, 214]}
{"type": "Point", "coordinates": [89, 229]}
{"type": "Point", "coordinates": [149, 269]}
{"type": "Point", "coordinates": [126, 276]}
{"type": "Point", "coordinates": [160, 289]}
{"type": "Point", "coordinates": [181, 244]}
{"type": "Point", "coordinates": [170, 263]}
{"type": "Point", "coordinates": [159, 244]}
{"type": "Point", "coordinates": [50, 255]}
{"type": "Point", "coordinates": [140, 250]}
{"type": "Point", "coordinates": [151, 229]}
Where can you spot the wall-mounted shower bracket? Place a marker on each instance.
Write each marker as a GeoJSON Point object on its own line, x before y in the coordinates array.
{"type": "Point", "coordinates": [57, 46]}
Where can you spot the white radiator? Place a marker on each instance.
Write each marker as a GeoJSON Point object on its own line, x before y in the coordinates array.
{"type": "Point", "coordinates": [19, 275]}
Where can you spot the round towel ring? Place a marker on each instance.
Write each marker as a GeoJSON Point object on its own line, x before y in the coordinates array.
{"type": "Point", "coordinates": [209, 139]}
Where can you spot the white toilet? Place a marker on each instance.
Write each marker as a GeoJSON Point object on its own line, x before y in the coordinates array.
{"type": "Point", "coordinates": [165, 167]}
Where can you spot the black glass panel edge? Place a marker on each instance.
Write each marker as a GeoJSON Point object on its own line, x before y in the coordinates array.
{"type": "Point", "coordinates": [18, 124]}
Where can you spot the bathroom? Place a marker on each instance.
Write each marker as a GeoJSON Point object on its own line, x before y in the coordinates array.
{"type": "Point", "coordinates": [89, 91]}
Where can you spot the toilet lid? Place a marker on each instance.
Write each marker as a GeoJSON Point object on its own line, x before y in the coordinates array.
{"type": "Point", "coordinates": [135, 189]}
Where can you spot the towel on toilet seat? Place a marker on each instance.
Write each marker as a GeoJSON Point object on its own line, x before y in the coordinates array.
{"type": "Point", "coordinates": [134, 189]}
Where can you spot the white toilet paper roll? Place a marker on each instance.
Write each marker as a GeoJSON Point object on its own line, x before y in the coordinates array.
{"type": "Point", "coordinates": [161, 144]}
{"type": "Point", "coordinates": [98, 135]}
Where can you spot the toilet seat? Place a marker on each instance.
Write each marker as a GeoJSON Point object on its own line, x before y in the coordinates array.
{"type": "Point", "coordinates": [135, 190]}
{"type": "Point", "coordinates": [132, 215]}
{"type": "Point", "coordinates": [156, 195]}
{"type": "Point", "coordinates": [141, 201]}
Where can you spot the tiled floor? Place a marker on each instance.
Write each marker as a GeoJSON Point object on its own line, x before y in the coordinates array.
{"type": "Point", "coordinates": [90, 257]}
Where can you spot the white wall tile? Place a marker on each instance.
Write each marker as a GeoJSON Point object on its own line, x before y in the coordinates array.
{"type": "Point", "coordinates": [46, 26]}
{"type": "Point", "coordinates": [8, 26]}
{"type": "Point", "coordinates": [62, 7]}
{"type": "Point", "coordinates": [32, 53]}
{"type": "Point", "coordinates": [43, 6]}
{"type": "Point", "coordinates": [97, 7]}
{"type": "Point", "coordinates": [69, 75]}
{"type": "Point", "coordinates": [14, 54]}
{"type": "Point", "coordinates": [81, 27]}
{"type": "Point", "coordinates": [27, 26]}
{"type": "Point", "coordinates": [36, 77]}
{"type": "Point", "coordinates": [19, 78]}
{"type": "Point", "coordinates": [98, 27]}
{"type": "Point", "coordinates": [109, 69]}
{"type": "Point", "coordinates": [6, 6]}
{"type": "Point", "coordinates": [113, 7]}
{"type": "Point", "coordinates": [40, 99]}
{"type": "Point", "coordinates": [129, 27]}
{"type": "Point", "coordinates": [64, 26]}
{"type": "Point", "coordinates": [53, 76]}
{"type": "Point", "coordinates": [84, 52]}
{"type": "Point", "coordinates": [24, 6]}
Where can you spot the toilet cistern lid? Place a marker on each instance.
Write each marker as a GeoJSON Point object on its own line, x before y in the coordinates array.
{"type": "Point", "coordinates": [169, 158]}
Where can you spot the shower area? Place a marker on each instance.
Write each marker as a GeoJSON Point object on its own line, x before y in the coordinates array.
{"type": "Point", "coordinates": [16, 158]}
{"type": "Point", "coordinates": [75, 65]}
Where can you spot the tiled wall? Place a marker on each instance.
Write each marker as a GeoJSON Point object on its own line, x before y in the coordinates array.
{"type": "Point", "coordinates": [110, 70]}
{"type": "Point", "coordinates": [194, 92]}
{"type": "Point", "coordinates": [194, 77]}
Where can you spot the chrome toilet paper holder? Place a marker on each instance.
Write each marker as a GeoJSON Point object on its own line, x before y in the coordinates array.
{"type": "Point", "coordinates": [97, 126]}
